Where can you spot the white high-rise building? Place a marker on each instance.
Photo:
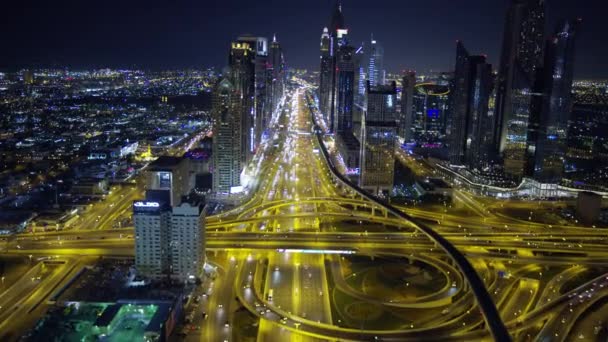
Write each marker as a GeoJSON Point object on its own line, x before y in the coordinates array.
{"type": "Point", "coordinates": [169, 241]}
{"type": "Point", "coordinates": [152, 222]}
{"type": "Point", "coordinates": [187, 240]}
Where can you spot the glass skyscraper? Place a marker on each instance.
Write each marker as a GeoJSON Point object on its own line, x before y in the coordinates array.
{"type": "Point", "coordinates": [379, 135]}
{"type": "Point", "coordinates": [557, 105]}
{"type": "Point", "coordinates": [522, 52]}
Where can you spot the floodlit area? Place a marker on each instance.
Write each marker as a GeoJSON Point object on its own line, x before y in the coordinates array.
{"type": "Point", "coordinates": [80, 321]}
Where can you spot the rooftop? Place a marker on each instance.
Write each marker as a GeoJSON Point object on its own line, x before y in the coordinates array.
{"type": "Point", "coordinates": [165, 163]}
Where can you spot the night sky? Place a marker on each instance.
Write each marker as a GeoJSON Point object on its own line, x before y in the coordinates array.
{"type": "Point", "coordinates": [416, 34]}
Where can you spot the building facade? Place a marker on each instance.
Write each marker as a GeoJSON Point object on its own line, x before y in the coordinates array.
{"type": "Point", "coordinates": [557, 73]}
{"type": "Point", "coordinates": [228, 159]}
{"type": "Point", "coordinates": [325, 75]}
{"type": "Point", "coordinates": [242, 76]}
{"type": "Point", "coordinates": [260, 108]}
{"type": "Point", "coordinates": [152, 222]}
{"type": "Point", "coordinates": [169, 241]}
{"type": "Point", "coordinates": [277, 80]}
{"type": "Point", "coordinates": [471, 129]}
{"type": "Point", "coordinates": [522, 53]}
{"type": "Point", "coordinates": [345, 89]}
{"type": "Point", "coordinates": [379, 134]}
{"type": "Point", "coordinates": [187, 244]}
{"type": "Point", "coordinates": [170, 174]}
{"type": "Point", "coordinates": [375, 70]}
{"type": "Point", "coordinates": [331, 40]}
{"type": "Point", "coordinates": [408, 82]}
{"type": "Point", "coordinates": [430, 102]}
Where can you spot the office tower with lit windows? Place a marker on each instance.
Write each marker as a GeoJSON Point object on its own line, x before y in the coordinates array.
{"type": "Point", "coordinates": [522, 53]}
{"type": "Point", "coordinates": [325, 75]}
{"type": "Point", "coordinates": [557, 73]}
{"type": "Point", "coordinates": [257, 103]}
{"type": "Point", "coordinates": [431, 104]}
{"type": "Point", "coordinates": [169, 240]}
{"type": "Point", "coordinates": [408, 82]}
{"type": "Point", "coordinates": [228, 153]}
{"type": "Point", "coordinates": [152, 220]}
{"type": "Point", "coordinates": [187, 240]}
{"type": "Point", "coordinates": [166, 189]}
{"type": "Point", "coordinates": [332, 39]}
{"type": "Point", "coordinates": [459, 99]}
{"type": "Point", "coordinates": [379, 132]}
{"type": "Point", "coordinates": [242, 76]}
{"type": "Point", "coordinates": [360, 76]}
{"type": "Point", "coordinates": [345, 92]}
{"type": "Point", "coordinates": [375, 70]}
{"type": "Point", "coordinates": [470, 136]}
{"type": "Point", "coordinates": [277, 79]}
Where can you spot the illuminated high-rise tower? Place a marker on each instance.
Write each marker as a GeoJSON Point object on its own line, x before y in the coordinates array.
{"type": "Point", "coordinates": [345, 89]}
{"type": "Point", "coordinates": [259, 107]}
{"type": "Point", "coordinates": [378, 138]}
{"type": "Point", "coordinates": [471, 129]}
{"type": "Point", "coordinates": [242, 77]}
{"type": "Point", "coordinates": [277, 79]}
{"type": "Point", "coordinates": [360, 76]}
{"type": "Point", "coordinates": [522, 53]}
{"type": "Point", "coordinates": [557, 73]}
{"type": "Point", "coordinates": [408, 83]}
{"type": "Point", "coordinates": [332, 38]}
{"type": "Point", "coordinates": [228, 159]}
{"type": "Point", "coordinates": [325, 75]}
{"type": "Point", "coordinates": [375, 71]}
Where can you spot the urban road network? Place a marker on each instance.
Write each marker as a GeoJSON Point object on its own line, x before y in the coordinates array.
{"type": "Point", "coordinates": [315, 260]}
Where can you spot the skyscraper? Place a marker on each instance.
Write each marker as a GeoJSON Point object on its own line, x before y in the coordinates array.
{"type": "Point", "coordinates": [259, 107]}
{"type": "Point", "coordinates": [375, 71]}
{"type": "Point", "coordinates": [379, 132]}
{"type": "Point", "coordinates": [345, 89]}
{"type": "Point", "coordinates": [406, 118]}
{"type": "Point", "coordinates": [459, 105]}
{"type": "Point", "coordinates": [470, 133]}
{"type": "Point", "coordinates": [325, 75]}
{"type": "Point", "coordinates": [228, 159]}
{"type": "Point", "coordinates": [277, 80]}
{"type": "Point", "coordinates": [360, 76]}
{"type": "Point", "coordinates": [431, 104]}
{"type": "Point", "coordinates": [152, 222]}
{"type": "Point", "coordinates": [187, 246]}
{"type": "Point", "coordinates": [479, 147]}
{"type": "Point", "coordinates": [331, 40]}
{"type": "Point", "coordinates": [522, 52]}
{"type": "Point", "coordinates": [242, 69]}
{"type": "Point", "coordinates": [551, 136]}
{"type": "Point", "coordinates": [169, 241]}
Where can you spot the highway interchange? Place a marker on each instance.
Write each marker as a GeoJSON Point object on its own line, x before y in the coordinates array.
{"type": "Point", "coordinates": [304, 238]}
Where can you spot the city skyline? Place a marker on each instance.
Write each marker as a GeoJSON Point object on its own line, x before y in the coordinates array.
{"type": "Point", "coordinates": [159, 36]}
{"type": "Point", "coordinates": [340, 202]}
